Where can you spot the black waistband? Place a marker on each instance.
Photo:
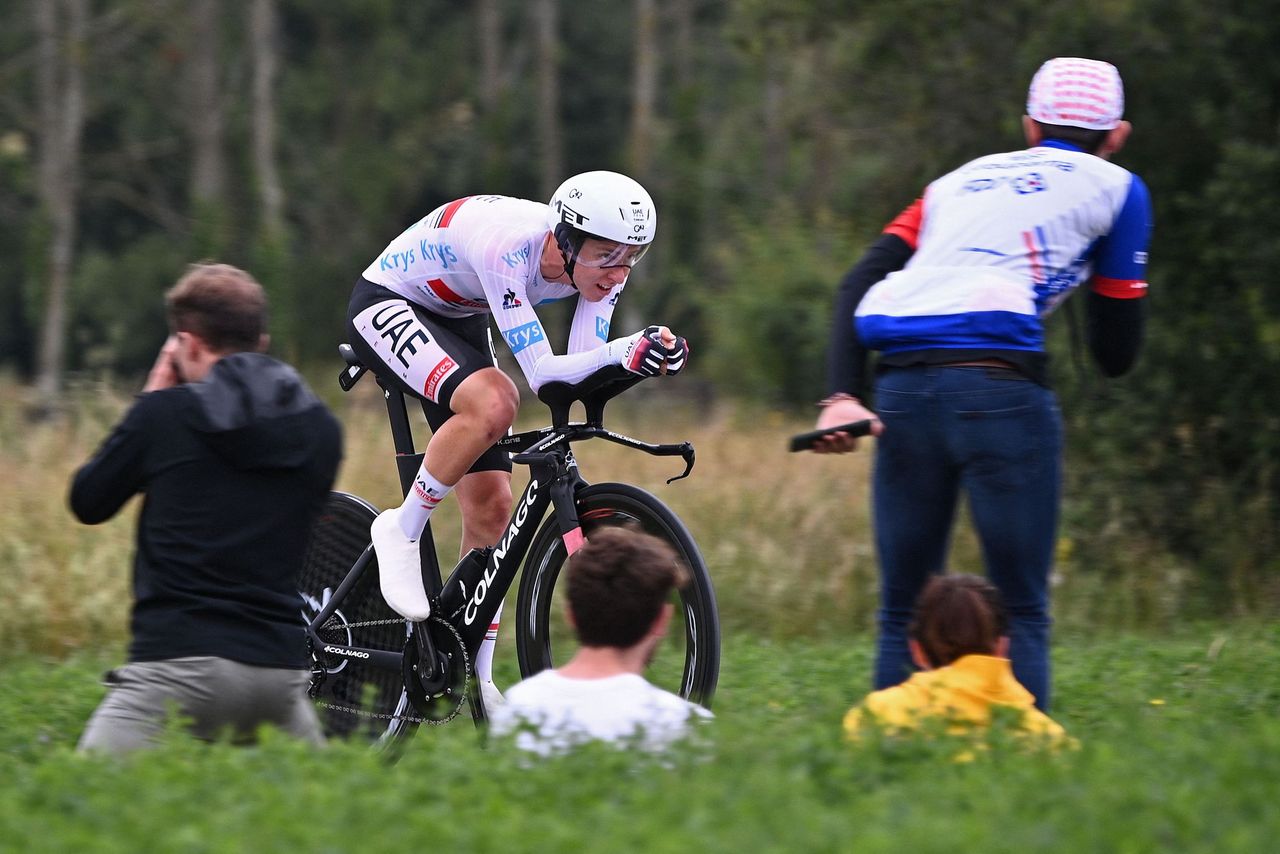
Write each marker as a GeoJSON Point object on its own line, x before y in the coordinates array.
{"type": "Point", "coordinates": [1034, 366]}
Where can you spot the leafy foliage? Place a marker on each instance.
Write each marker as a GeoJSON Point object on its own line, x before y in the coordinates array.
{"type": "Point", "coordinates": [1179, 748]}
{"type": "Point", "coordinates": [786, 134]}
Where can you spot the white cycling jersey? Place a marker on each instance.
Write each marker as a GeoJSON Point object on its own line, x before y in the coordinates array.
{"type": "Point", "coordinates": [480, 254]}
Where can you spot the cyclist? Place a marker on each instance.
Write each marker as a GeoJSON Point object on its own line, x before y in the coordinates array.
{"type": "Point", "coordinates": [954, 295]}
{"type": "Point", "coordinates": [419, 317]}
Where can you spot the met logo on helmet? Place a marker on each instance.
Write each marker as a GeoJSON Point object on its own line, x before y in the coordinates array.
{"type": "Point", "coordinates": [569, 215]}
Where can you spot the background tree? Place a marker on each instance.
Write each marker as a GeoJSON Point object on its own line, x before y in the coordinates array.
{"type": "Point", "coordinates": [551, 151]}
{"type": "Point", "coordinates": [271, 262]}
{"type": "Point", "coordinates": [202, 99]}
{"type": "Point", "coordinates": [61, 28]}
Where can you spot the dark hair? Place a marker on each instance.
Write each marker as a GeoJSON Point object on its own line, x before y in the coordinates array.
{"type": "Point", "coordinates": [1089, 140]}
{"type": "Point", "coordinates": [618, 583]}
{"type": "Point", "coordinates": [222, 304]}
{"type": "Point", "coordinates": [958, 615]}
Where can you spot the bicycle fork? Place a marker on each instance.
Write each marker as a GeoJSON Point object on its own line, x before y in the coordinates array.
{"type": "Point", "coordinates": [563, 489]}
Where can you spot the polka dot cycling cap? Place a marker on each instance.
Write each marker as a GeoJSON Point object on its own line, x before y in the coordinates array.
{"type": "Point", "coordinates": [1083, 93]}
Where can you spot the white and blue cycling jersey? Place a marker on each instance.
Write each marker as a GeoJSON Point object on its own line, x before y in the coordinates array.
{"type": "Point", "coordinates": [1000, 242]}
{"type": "Point", "coordinates": [480, 255]}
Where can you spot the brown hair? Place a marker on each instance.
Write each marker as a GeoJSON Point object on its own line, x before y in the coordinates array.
{"type": "Point", "coordinates": [958, 615]}
{"type": "Point", "coordinates": [618, 583]}
{"type": "Point", "coordinates": [222, 304]}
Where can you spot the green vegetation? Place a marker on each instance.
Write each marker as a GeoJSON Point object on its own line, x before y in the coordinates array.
{"type": "Point", "coordinates": [1179, 741]}
{"type": "Point", "coordinates": [1180, 748]}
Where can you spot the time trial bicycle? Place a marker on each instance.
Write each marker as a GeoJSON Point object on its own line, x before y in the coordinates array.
{"type": "Point", "coordinates": [377, 676]}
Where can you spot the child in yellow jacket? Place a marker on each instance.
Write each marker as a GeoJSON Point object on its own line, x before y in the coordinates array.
{"type": "Point", "coordinates": [958, 639]}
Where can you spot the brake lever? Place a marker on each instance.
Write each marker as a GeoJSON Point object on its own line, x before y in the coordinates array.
{"type": "Point", "coordinates": [686, 453]}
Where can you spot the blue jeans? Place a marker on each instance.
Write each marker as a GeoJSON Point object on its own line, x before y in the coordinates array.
{"type": "Point", "coordinates": [998, 437]}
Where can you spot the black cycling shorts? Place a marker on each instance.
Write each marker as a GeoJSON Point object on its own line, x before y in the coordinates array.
{"type": "Point", "coordinates": [423, 354]}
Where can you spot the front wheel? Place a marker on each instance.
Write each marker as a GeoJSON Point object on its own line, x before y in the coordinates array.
{"type": "Point", "coordinates": [687, 662]}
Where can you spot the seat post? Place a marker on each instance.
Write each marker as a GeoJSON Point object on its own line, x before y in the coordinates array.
{"type": "Point", "coordinates": [408, 460]}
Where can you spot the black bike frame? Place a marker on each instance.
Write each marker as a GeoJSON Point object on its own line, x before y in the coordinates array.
{"type": "Point", "coordinates": [475, 589]}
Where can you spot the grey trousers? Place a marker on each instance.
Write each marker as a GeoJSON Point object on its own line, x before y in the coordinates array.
{"type": "Point", "coordinates": [219, 698]}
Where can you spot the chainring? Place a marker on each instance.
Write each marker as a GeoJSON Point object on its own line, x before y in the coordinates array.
{"type": "Point", "coordinates": [446, 705]}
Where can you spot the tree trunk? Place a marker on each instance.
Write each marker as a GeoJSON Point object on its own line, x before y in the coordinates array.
{"type": "Point", "coordinates": [682, 18]}
{"type": "Point", "coordinates": [271, 248]}
{"type": "Point", "coordinates": [61, 36]}
{"type": "Point", "coordinates": [489, 37]}
{"type": "Point", "coordinates": [773, 104]}
{"type": "Point", "coordinates": [205, 124]}
{"type": "Point", "coordinates": [492, 86]}
{"type": "Point", "coordinates": [551, 148]}
{"type": "Point", "coordinates": [822, 161]}
{"type": "Point", "coordinates": [690, 118]}
{"type": "Point", "coordinates": [644, 89]}
{"type": "Point", "coordinates": [263, 37]}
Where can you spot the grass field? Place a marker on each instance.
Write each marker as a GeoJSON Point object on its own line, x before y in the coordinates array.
{"type": "Point", "coordinates": [1180, 751]}
{"type": "Point", "coordinates": [1180, 740]}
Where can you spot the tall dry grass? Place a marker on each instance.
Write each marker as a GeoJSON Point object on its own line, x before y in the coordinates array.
{"type": "Point", "coordinates": [65, 586]}
{"type": "Point", "coordinates": [787, 537]}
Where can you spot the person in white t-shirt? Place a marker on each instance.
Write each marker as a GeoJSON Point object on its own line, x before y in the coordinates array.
{"type": "Point", "coordinates": [618, 585]}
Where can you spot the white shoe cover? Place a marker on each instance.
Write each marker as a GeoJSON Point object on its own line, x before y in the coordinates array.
{"type": "Point", "coordinates": [399, 568]}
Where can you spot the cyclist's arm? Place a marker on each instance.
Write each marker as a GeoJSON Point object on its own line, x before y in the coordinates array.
{"type": "Point", "coordinates": [846, 357]}
{"type": "Point", "coordinates": [527, 339]}
{"type": "Point", "coordinates": [118, 470]}
{"type": "Point", "coordinates": [591, 321]}
{"type": "Point", "coordinates": [1115, 305]}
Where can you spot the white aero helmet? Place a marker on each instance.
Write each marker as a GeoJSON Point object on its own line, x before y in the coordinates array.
{"type": "Point", "coordinates": [609, 207]}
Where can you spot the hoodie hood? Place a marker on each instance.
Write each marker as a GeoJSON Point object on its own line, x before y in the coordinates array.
{"type": "Point", "coordinates": [250, 410]}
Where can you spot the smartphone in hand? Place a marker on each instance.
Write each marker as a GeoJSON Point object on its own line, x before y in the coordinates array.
{"type": "Point", "coordinates": [806, 441]}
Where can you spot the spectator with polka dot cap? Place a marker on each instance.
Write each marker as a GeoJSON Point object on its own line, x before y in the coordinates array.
{"type": "Point", "coordinates": [1083, 93]}
{"type": "Point", "coordinates": [954, 296]}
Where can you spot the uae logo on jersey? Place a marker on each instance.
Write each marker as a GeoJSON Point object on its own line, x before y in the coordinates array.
{"type": "Point", "coordinates": [510, 300]}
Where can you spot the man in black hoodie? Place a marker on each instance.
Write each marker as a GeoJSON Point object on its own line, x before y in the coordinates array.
{"type": "Point", "coordinates": [235, 456]}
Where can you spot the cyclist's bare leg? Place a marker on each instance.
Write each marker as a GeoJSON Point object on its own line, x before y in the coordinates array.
{"type": "Point", "coordinates": [484, 407]}
{"type": "Point", "coordinates": [485, 500]}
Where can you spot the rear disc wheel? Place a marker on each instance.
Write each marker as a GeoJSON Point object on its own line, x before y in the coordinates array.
{"type": "Point", "coordinates": [354, 699]}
